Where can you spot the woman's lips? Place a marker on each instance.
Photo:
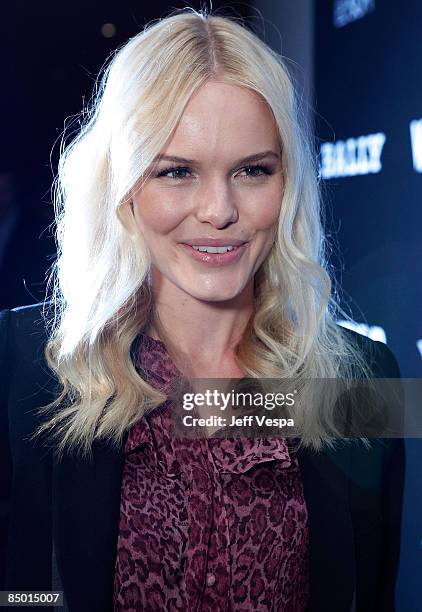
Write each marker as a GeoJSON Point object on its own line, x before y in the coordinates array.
{"type": "Point", "coordinates": [215, 259]}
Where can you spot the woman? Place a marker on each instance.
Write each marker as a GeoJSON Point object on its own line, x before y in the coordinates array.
{"type": "Point", "coordinates": [190, 245]}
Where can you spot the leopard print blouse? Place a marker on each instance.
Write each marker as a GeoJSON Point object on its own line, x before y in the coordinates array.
{"type": "Point", "coordinates": [213, 524]}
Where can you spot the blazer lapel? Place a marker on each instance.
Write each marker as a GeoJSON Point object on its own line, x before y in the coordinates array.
{"type": "Point", "coordinates": [325, 478]}
{"type": "Point", "coordinates": [86, 508]}
{"type": "Point", "coordinates": [86, 511]}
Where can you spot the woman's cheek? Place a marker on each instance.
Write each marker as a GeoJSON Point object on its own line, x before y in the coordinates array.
{"type": "Point", "coordinates": [159, 214]}
{"type": "Point", "coordinates": [264, 213]}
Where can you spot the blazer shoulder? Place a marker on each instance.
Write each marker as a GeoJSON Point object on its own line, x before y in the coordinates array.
{"type": "Point", "coordinates": [378, 355]}
{"type": "Point", "coordinates": [23, 336]}
{"type": "Point", "coordinates": [24, 329]}
{"type": "Point", "coordinates": [32, 316]}
{"type": "Point", "coordinates": [27, 382]}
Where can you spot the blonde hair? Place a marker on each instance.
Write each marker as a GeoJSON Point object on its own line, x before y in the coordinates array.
{"type": "Point", "coordinates": [101, 296]}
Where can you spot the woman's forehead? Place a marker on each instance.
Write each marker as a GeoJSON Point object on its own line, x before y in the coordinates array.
{"type": "Point", "coordinates": [224, 118]}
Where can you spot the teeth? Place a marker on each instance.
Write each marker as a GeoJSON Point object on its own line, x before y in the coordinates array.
{"type": "Point", "coordinates": [211, 249]}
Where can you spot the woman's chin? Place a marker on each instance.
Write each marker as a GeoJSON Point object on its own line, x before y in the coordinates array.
{"type": "Point", "coordinates": [222, 294]}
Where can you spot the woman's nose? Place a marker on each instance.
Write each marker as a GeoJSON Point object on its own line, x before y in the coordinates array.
{"type": "Point", "coordinates": [216, 205]}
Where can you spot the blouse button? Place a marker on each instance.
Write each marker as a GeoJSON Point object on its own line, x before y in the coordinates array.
{"type": "Point", "coordinates": [210, 579]}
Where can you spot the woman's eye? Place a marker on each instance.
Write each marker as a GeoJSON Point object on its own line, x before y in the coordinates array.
{"type": "Point", "coordinates": [178, 172]}
{"type": "Point", "coordinates": [256, 171]}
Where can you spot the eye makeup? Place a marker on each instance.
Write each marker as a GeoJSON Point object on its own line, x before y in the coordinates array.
{"type": "Point", "coordinates": [258, 170]}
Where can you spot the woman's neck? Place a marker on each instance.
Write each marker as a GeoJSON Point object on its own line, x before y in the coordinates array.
{"type": "Point", "coordinates": [205, 332]}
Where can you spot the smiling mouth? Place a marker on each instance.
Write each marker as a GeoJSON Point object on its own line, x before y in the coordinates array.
{"type": "Point", "coordinates": [215, 255]}
{"type": "Point", "coordinates": [213, 249]}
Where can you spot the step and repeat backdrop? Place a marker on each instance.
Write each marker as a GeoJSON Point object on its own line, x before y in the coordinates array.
{"type": "Point", "coordinates": [368, 88]}
{"type": "Point", "coordinates": [368, 83]}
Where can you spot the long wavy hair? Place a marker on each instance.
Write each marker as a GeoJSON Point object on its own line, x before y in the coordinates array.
{"type": "Point", "coordinates": [100, 295]}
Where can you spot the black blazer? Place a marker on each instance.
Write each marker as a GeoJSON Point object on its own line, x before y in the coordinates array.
{"type": "Point", "coordinates": [59, 520]}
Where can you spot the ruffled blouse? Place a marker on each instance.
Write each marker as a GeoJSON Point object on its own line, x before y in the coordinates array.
{"type": "Point", "coordinates": [207, 524]}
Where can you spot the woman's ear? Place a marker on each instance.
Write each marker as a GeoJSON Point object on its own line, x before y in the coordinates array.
{"type": "Point", "coordinates": [126, 216]}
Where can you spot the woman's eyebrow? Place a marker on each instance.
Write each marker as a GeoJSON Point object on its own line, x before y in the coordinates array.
{"type": "Point", "coordinates": [249, 158]}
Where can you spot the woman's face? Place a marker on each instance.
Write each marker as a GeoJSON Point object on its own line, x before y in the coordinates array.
{"type": "Point", "coordinates": [218, 183]}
